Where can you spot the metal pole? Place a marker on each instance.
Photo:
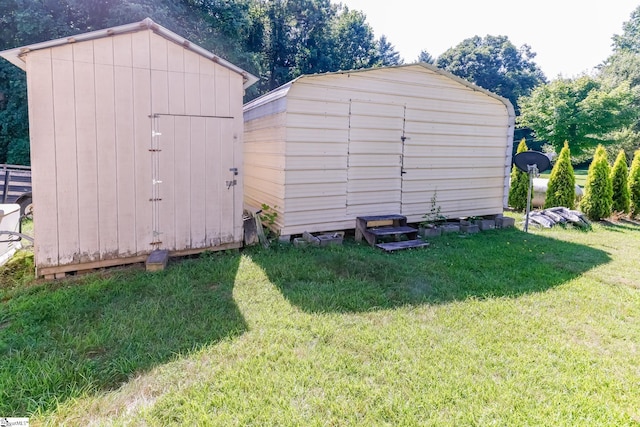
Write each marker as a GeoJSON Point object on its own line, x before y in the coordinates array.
{"type": "Point", "coordinates": [526, 221]}
{"type": "Point", "coordinates": [532, 170]}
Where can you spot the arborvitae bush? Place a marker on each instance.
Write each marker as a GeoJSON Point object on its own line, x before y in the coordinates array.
{"type": "Point", "coordinates": [598, 191]}
{"type": "Point", "coordinates": [634, 185]}
{"type": "Point", "coordinates": [619, 178]}
{"type": "Point", "coordinates": [561, 189]}
{"type": "Point", "coordinates": [519, 183]}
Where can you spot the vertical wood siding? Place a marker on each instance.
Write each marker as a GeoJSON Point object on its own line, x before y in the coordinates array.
{"type": "Point", "coordinates": [91, 107]}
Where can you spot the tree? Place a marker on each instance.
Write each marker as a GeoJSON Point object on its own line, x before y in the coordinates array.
{"type": "Point", "coordinates": [561, 189]}
{"type": "Point", "coordinates": [496, 64]}
{"type": "Point", "coordinates": [598, 191]}
{"type": "Point", "coordinates": [581, 111]}
{"type": "Point", "coordinates": [629, 40]}
{"type": "Point", "coordinates": [277, 40]}
{"type": "Point", "coordinates": [634, 185]}
{"type": "Point", "coordinates": [619, 178]}
{"type": "Point", "coordinates": [386, 53]}
{"type": "Point", "coordinates": [519, 183]}
{"type": "Point", "coordinates": [623, 66]}
{"type": "Point", "coordinates": [426, 57]}
{"type": "Point", "coordinates": [355, 46]}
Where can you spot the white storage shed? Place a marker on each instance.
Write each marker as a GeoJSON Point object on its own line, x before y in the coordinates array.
{"type": "Point", "coordinates": [136, 145]}
{"type": "Point", "coordinates": [326, 148]}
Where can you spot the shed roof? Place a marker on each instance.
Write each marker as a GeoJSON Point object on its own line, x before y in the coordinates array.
{"type": "Point", "coordinates": [16, 55]}
{"type": "Point", "coordinates": [282, 91]}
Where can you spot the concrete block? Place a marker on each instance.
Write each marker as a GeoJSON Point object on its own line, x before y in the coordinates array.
{"type": "Point", "coordinates": [157, 260]}
{"type": "Point", "coordinates": [450, 228]}
{"type": "Point", "coordinates": [485, 224]}
{"type": "Point", "coordinates": [300, 242]}
{"type": "Point", "coordinates": [284, 239]}
{"type": "Point", "coordinates": [311, 238]}
{"type": "Point", "coordinates": [505, 222]}
{"type": "Point", "coordinates": [330, 239]}
{"type": "Point", "coordinates": [430, 232]}
{"type": "Point", "coordinates": [469, 228]}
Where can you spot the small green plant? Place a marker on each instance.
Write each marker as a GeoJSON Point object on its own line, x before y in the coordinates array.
{"type": "Point", "coordinates": [598, 191]}
{"type": "Point", "coordinates": [519, 183]}
{"type": "Point", "coordinates": [268, 215]}
{"type": "Point", "coordinates": [619, 178]}
{"type": "Point", "coordinates": [433, 218]}
{"type": "Point", "coordinates": [634, 185]}
{"type": "Point", "coordinates": [561, 190]}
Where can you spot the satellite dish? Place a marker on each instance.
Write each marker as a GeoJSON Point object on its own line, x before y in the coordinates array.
{"type": "Point", "coordinates": [526, 159]}
{"type": "Point", "coordinates": [532, 163]}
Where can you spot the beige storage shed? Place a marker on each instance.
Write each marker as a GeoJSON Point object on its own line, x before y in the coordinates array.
{"type": "Point", "coordinates": [326, 148]}
{"type": "Point", "coordinates": [136, 145]}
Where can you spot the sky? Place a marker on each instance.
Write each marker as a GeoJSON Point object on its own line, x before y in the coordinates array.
{"type": "Point", "coordinates": [569, 37]}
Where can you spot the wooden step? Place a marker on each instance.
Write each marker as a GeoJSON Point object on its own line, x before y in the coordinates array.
{"type": "Point", "coordinates": [371, 227]}
{"type": "Point", "coordinates": [390, 231]}
{"type": "Point", "coordinates": [407, 244]}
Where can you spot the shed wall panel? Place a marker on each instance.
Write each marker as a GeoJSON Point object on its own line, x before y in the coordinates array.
{"type": "Point", "coordinates": [142, 159]}
{"type": "Point", "coordinates": [223, 94]}
{"type": "Point", "coordinates": [125, 161]}
{"type": "Point", "coordinates": [182, 155]}
{"type": "Point", "coordinates": [43, 157]}
{"type": "Point", "coordinates": [158, 47]}
{"type": "Point", "coordinates": [66, 155]}
{"type": "Point", "coordinates": [193, 92]}
{"type": "Point", "coordinates": [107, 191]}
{"type": "Point", "coordinates": [85, 112]}
{"type": "Point", "coordinates": [213, 181]}
{"type": "Point", "coordinates": [227, 205]}
{"type": "Point", "coordinates": [122, 51]}
{"type": "Point", "coordinates": [141, 50]}
{"type": "Point", "coordinates": [208, 90]}
{"type": "Point", "coordinates": [237, 139]}
{"type": "Point", "coordinates": [103, 51]}
{"type": "Point", "coordinates": [170, 195]}
{"type": "Point", "coordinates": [160, 91]}
{"type": "Point", "coordinates": [198, 176]}
{"type": "Point", "coordinates": [176, 93]}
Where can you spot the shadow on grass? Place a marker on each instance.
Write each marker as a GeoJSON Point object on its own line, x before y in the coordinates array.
{"type": "Point", "coordinates": [61, 340]}
{"type": "Point", "coordinates": [620, 226]}
{"type": "Point", "coordinates": [357, 278]}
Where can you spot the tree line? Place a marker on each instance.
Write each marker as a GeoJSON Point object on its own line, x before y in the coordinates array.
{"type": "Point", "coordinates": [279, 40]}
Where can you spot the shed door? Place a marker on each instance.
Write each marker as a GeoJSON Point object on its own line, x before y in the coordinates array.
{"type": "Point", "coordinates": [375, 172]}
{"type": "Point", "coordinates": [194, 181]}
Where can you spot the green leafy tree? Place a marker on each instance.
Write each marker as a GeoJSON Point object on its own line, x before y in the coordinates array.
{"type": "Point", "coordinates": [629, 40]}
{"type": "Point", "coordinates": [581, 111]}
{"type": "Point", "coordinates": [598, 191]}
{"type": "Point", "coordinates": [623, 67]}
{"type": "Point", "coordinates": [561, 189]}
{"type": "Point", "coordinates": [277, 40]}
{"type": "Point", "coordinates": [634, 185]}
{"type": "Point", "coordinates": [519, 183]}
{"type": "Point", "coordinates": [496, 64]}
{"type": "Point", "coordinates": [619, 178]}
{"type": "Point", "coordinates": [355, 45]}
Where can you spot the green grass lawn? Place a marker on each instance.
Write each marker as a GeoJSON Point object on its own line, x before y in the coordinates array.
{"type": "Point", "coordinates": [580, 174]}
{"type": "Point", "coordinates": [498, 328]}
